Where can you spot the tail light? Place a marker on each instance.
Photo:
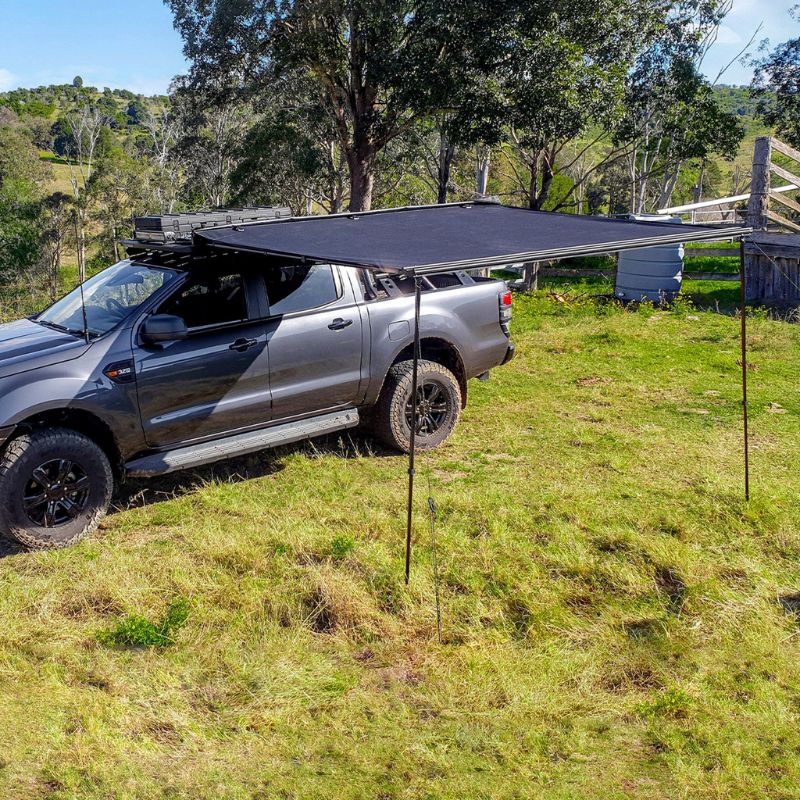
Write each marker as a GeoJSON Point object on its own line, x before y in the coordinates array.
{"type": "Point", "coordinates": [505, 311]}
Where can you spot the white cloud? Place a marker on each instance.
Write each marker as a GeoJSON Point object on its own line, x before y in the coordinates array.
{"type": "Point", "coordinates": [8, 80]}
{"type": "Point", "coordinates": [727, 35]}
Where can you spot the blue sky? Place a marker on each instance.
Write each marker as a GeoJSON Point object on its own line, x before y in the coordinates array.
{"type": "Point", "coordinates": [123, 44]}
{"type": "Point", "coordinates": [130, 44]}
{"type": "Point", "coordinates": [744, 18]}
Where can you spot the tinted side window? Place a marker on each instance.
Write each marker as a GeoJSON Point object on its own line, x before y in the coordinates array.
{"type": "Point", "coordinates": [209, 300]}
{"type": "Point", "coordinates": [300, 288]}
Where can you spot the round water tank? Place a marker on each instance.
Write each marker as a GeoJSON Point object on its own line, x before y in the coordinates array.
{"type": "Point", "coordinates": [650, 273]}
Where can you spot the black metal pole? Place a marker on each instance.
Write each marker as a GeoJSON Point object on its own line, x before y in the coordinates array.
{"type": "Point", "coordinates": [743, 313]}
{"type": "Point", "coordinates": [414, 406]}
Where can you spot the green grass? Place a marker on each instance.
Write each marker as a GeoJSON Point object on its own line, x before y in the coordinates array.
{"type": "Point", "coordinates": [136, 631]}
{"type": "Point", "coordinates": [618, 623]}
{"type": "Point", "coordinates": [709, 245]}
{"type": "Point", "coordinates": [61, 172]}
{"type": "Point", "coordinates": [712, 264]}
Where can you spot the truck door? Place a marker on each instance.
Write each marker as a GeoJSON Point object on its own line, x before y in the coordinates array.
{"type": "Point", "coordinates": [216, 380]}
{"type": "Point", "coordinates": [314, 339]}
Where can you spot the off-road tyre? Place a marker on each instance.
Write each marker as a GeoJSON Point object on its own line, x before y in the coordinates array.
{"type": "Point", "coordinates": [70, 508]}
{"type": "Point", "coordinates": [392, 411]}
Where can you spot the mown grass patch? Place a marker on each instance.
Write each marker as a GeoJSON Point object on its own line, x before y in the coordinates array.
{"type": "Point", "coordinates": [618, 623]}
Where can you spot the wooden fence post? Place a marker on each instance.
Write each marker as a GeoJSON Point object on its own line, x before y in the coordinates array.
{"type": "Point", "coordinates": [759, 188]}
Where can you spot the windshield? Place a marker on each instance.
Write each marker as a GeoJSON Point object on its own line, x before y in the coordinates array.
{"type": "Point", "coordinates": [111, 296]}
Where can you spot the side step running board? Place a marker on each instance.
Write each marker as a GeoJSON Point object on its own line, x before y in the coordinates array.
{"type": "Point", "coordinates": [241, 443]}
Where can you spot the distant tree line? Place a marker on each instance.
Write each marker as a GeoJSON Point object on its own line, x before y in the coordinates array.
{"type": "Point", "coordinates": [327, 105]}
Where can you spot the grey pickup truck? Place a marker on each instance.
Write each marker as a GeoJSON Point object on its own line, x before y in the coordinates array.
{"type": "Point", "coordinates": [167, 361]}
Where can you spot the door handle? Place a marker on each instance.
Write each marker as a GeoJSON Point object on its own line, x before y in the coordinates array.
{"type": "Point", "coordinates": [340, 323]}
{"type": "Point", "coordinates": [240, 345]}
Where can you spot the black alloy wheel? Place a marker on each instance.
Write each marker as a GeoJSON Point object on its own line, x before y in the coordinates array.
{"type": "Point", "coordinates": [432, 409]}
{"type": "Point", "coordinates": [56, 493]}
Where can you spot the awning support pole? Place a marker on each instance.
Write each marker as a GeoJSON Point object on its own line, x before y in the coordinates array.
{"type": "Point", "coordinates": [743, 314]}
{"type": "Point", "coordinates": [415, 405]}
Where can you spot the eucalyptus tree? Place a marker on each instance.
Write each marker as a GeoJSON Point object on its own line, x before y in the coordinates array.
{"type": "Point", "coordinates": [379, 67]}
{"type": "Point", "coordinates": [591, 84]}
{"type": "Point", "coordinates": [566, 84]}
{"type": "Point", "coordinates": [162, 127]}
{"type": "Point", "coordinates": [673, 118]}
{"type": "Point", "coordinates": [213, 125]}
{"type": "Point", "coordinates": [671, 113]}
{"type": "Point", "coordinates": [291, 154]}
{"type": "Point", "coordinates": [776, 85]}
{"type": "Point", "coordinates": [85, 127]}
{"type": "Point", "coordinates": [53, 236]}
{"type": "Point", "coordinates": [23, 177]}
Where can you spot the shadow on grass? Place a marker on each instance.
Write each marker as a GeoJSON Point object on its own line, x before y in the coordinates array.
{"type": "Point", "coordinates": [140, 492]}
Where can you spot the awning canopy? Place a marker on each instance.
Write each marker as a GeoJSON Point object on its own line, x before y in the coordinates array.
{"type": "Point", "coordinates": [428, 239]}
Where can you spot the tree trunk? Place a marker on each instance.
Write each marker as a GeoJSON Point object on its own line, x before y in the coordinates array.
{"type": "Point", "coordinates": [482, 161]}
{"type": "Point", "coordinates": [337, 196]}
{"type": "Point", "coordinates": [547, 182]}
{"type": "Point", "coordinates": [531, 276]}
{"type": "Point", "coordinates": [632, 175]}
{"type": "Point", "coordinates": [668, 187]}
{"type": "Point", "coordinates": [533, 183]}
{"type": "Point", "coordinates": [80, 244]}
{"type": "Point", "coordinates": [362, 179]}
{"type": "Point", "coordinates": [446, 155]}
{"type": "Point", "coordinates": [697, 189]}
{"type": "Point", "coordinates": [540, 166]}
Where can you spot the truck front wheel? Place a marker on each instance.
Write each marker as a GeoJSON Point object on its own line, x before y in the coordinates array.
{"type": "Point", "coordinates": [55, 487]}
{"type": "Point", "coordinates": [438, 401]}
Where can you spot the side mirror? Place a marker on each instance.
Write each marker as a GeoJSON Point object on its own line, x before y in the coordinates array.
{"type": "Point", "coordinates": [161, 328]}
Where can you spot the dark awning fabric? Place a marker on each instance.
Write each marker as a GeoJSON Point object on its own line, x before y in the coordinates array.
{"type": "Point", "coordinates": [428, 239]}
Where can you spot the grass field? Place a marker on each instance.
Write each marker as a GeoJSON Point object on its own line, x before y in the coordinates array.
{"type": "Point", "coordinates": [61, 171]}
{"type": "Point", "coordinates": [618, 623]}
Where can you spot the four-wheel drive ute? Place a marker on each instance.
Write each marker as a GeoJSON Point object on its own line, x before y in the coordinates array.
{"type": "Point", "coordinates": [174, 361]}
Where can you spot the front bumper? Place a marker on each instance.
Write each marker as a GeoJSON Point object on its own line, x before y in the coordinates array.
{"type": "Point", "coordinates": [509, 354]}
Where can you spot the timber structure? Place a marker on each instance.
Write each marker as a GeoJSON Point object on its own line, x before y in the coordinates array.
{"type": "Point", "coordinates": [772, 252]}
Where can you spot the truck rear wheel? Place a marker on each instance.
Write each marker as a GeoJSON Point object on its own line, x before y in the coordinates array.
{"type": "Point", "coordinates": [438, 398]}
{"type": "Point", "coordinates": [55, 487]}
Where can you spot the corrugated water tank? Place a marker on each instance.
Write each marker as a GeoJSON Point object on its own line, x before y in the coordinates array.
{"type": "Point", "coordinates": [650, 273]}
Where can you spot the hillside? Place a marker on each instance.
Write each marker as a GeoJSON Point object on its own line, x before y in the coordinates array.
{"type": "Point", "coordinates": [39, 111]}
{"type": "Point", "coordinates": [49, 102]}
{"type": "Point", "coordinates": [41, 107]}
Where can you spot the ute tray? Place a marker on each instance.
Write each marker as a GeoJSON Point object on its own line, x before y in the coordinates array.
{"type": "Point", "coordinates": [166, 228]}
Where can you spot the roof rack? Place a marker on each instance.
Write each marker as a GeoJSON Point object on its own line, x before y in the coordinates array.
{"type": "Point", "coordinates": [164, 229]}
{"type": "Point", "coordinates": [143, 246]}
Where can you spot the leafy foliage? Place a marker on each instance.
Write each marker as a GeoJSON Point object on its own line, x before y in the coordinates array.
{"type": "Point", "coordinates": [776, 87]}
{"type": "Point", "coordinates": [330, 104]}
{"type": "Point", "coordinates": [137, 631]}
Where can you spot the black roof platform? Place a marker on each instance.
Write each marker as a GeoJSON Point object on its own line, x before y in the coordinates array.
{"type": "Point", "coordinates": [422, 240]}
{"type": "Point", "coordinates": [154, 229]}
{"type": "Point", "coordinates": [137, 246]}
